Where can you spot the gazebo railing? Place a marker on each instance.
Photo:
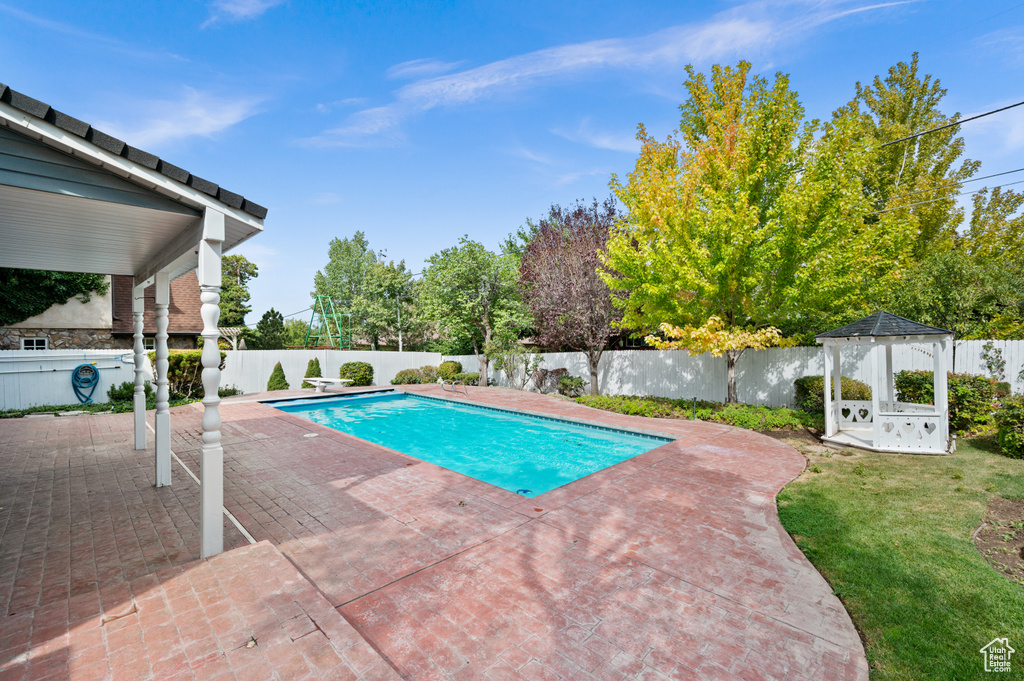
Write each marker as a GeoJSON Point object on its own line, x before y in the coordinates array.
{"type": "Point", "coordinates": [910, 431]}
{"type": "Point", "coordinates": [854, 413]}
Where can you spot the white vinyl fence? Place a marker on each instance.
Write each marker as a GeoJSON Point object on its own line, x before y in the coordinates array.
{"type": "Point", "coordinates": [30, 378]}
{"type": "Point", "coordinates": [762, 377]}
{"type": "Point", "coordinates": [249, 370]}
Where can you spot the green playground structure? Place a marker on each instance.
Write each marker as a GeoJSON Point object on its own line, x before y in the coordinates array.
{"type": "Point", "coordinates": [327, 328]}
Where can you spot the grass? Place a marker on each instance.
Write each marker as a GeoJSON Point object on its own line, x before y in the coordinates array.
{"type": "Point", "coordinates": [739, 415]}
{"type": "Point", "coordinates": [116, 407]}
{"type": "Point", "coordinates": [893, 536]}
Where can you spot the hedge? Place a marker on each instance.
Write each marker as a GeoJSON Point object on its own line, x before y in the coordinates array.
{"type": "Point", "coordinates": [407, 377]}
{"type": "Point", "coordinates": [810, 392]}
{"type": "Point", "coordinates": [1010, 426]}
{"type": "Point", "coordinates": [312, 371]}
{"type": "Point", "coordinates": [449, 369]}
{"type": "Point", "coordinates": [970, 396]}
{"type": "Point", "coordinates": [185, 373]}
{"type": "Point", "coordinates": [361, 373]}
{"type": "Point", "coordinates": [277, 379]}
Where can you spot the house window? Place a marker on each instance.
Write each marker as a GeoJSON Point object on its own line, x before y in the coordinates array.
{"type": "Point", "coordinates": [149, 343]}
{"type": "Point", "coordinates": [34, 344]}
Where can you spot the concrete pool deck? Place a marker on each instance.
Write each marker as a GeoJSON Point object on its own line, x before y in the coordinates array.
{"type": "Point", "coordinates": [669, 565]}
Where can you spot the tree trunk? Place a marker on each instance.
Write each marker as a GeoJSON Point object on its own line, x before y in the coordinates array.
{"type": "Point", "coordinates": [482, 357]}
{"type": "Point", "coordinates": [731, 357]}
{"type": "Point", "coordinates": [593, 359]}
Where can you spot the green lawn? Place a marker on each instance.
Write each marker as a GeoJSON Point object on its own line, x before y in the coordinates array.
{"type": "Point", "coordinates": [892, 534]}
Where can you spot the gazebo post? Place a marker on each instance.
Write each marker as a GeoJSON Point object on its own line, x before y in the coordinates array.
{"type": "Point", "coordinates": [940, 385]}
{"type": "Point", "coordinates": [829, 425]}
{"type": "Point", "coordinates": [211, 503]}
{"type": "Point", "coordinates": [162, 419]}
{"type": "Point", "coordinates": [876, 400]}
{"type": "Point", "coordinates": [837, 383]}
{"type": "Point", "coordinates": [139, 397]}
{"type": "Point", "coordinates": [889, 382]}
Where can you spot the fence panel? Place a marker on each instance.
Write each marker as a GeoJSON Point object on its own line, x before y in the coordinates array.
{"type": "Point", "coordinates": [249, 370]}
{"type": "Point", "coordinates": [762, 377]}
{"type": "Point", "coordinates": [32, 378]}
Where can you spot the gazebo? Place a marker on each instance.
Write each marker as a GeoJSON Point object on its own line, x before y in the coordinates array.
{"type": "Point", "coordinates": [884, 424]}
{"type": "Point", "coordinates": [75, 199]}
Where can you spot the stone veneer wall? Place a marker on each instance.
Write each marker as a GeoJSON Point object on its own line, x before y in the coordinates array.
{"type": "Point", "coordinates": [83, 339]}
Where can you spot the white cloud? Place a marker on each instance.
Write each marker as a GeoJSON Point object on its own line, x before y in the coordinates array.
{"type": "Point", "coordinates": [621, 140]}
{"type": "Point", "coordinates": [238, 10]}
{"type": "Point", "coordinates": [421, 68]}
{"type": "Point", "coordinates": [995, 139]}
{"type": "Point", "coordinates": [747, 30]}
{"type": "Point", "coordinates": [522, 152]}
{"type": "Point", "coordinates": [1007, 44]}
{"type": "Point", "coordinates": [194, 114]}
{"type": "Point", "coordinates": [328, 107]}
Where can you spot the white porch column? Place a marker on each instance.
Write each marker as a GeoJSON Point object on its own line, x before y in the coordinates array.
{"type": "Point", "coordinates": [163, 414]}
{"type": "Point", "coordinates": [212, 464]}
{"type": "Point", "coordinates": [139, 398]}
{"type": "Point", "coordinates": [829, 416]}
{"type": "Point", "coordinates": [889, 382]}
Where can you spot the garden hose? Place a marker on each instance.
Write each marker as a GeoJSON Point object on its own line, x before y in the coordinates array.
{"type": "Point", "coordinates": [85, 377]}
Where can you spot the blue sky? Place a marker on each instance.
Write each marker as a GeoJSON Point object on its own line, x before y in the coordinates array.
{"type": "Point", "coordinates": [425, 121]}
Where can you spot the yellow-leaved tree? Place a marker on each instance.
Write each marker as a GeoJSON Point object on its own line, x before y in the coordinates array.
{"type": "Point", "coordinates": [752, 217]}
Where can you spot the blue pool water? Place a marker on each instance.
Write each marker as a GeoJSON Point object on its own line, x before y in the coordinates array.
{"type": "Point", "coordinates": [526, 454]}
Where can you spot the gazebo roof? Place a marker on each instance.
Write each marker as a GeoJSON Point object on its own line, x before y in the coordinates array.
{"type": "Point", "coordinates": [884, 324]}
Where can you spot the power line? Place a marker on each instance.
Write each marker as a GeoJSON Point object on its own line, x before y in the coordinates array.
{"type": "Point", "coordinates": [956, 184]}
{"type": "Point", "coordinates": [950, 125]}
{"type": "Point", "coordinates": [919, 203]}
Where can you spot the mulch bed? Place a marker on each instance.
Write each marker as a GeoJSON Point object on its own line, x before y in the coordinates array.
{"type": "Point", "coordinates": [1001, 539]}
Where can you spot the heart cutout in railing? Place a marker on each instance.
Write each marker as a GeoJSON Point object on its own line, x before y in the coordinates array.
{"type": "Point", "coordinates": [930, 427]}
{"type": "Point", "coordinates": [862, 414]}
{"type": "Point", "coordinates": [887, 426]}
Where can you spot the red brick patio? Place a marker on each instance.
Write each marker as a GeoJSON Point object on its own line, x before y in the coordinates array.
{"type": "Point", "coordinates": [669, 565]}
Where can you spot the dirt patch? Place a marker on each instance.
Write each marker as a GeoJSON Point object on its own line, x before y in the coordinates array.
{"type": "Point", "coordinates": [1001, 538]}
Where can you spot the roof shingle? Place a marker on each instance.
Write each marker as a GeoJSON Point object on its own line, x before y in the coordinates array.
{"type": "Point", "coordinates": [884, 324]}
{"type": "Point", "coordinates": [43, 111]}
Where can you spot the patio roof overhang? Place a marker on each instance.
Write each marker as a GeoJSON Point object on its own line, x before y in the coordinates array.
{"type": "Point", "coordinates": [75, 199]}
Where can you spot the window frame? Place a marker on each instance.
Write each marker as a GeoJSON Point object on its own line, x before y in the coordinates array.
{"type": "Point", "coordinates": [33, 341]}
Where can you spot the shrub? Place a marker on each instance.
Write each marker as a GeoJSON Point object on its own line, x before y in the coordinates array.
{"type": "Point", "coordinates": [228, 392]}
{"type": "Point", "coordinates": [571, 386]}
{"type": "Point", "coordinates": [810, 392]}
{"type": "Point", "coordinates": [1002, 389]}
{"type": "Point", "coordinates": [185, 373]}
{"type": "Point", "coordinates": [277, 380]}
{"type": "Point", "coordinates": [312, 371]}
{"type": "Point", "coordinates": [472, 378]}
{"type": "Point", "coordinates": [407, 377]}
{"type": "Point", "coordinates": [361, 373]}
{"type": "Point", "coordinates": [126, 392]}
{"type": "Point", "coordinates": [449, 369]}
{"type": "Point", "coordinates": [1010, 426]}
{"type": "Point", "coordinates": [739, 415]}
{"type": "Point", "coordinates": [429, 374]}
{"type": "Point", "coordinates": [970, 396]}
{"type": "Point", "coordinates": [546, 380]}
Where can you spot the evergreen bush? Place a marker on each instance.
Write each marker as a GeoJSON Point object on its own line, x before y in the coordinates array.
{"type": "Point", "coordinates": [429, 374]}
{"type": "Point", "coordinates": [312, 371]}
{"type": "Point", "coordinates": [469, 378]}
{"type": "Point", "coordinates": [277, 380]}
{"type": "Point", "coordinates": [185, 373]}
{"type": "Point", "coordinates": [361, 373]}
{"type": "Point", "coordinates": [126, 392]}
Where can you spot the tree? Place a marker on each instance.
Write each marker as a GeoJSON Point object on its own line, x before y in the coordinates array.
{"type": "Point", "coordinates": [295, 331]}
{"type": "Point", "coordinates": [924, 168]}
{"type": "Point", "coordinates": [26, 293]}
{"type": "Point", "coordinates": [270, 332]}
{"type": "Point", "coordinates": [382, 307]}
{"type": "Point", "coordinates": [714, 337]}
{"type": "Point", "coordinates": [470, 292]}
{"type": "Point", "coordinates": [236, 273]}
{"type": "Point", "coordinates": [570, 303]}
{"type": "Point", "coordinates": [752, 216]}
{"type": "Point", "coordinates": [342, 278]}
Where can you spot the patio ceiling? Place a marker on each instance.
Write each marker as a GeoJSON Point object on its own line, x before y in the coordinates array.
{"type": "Point", "coordinates": [78, 200]}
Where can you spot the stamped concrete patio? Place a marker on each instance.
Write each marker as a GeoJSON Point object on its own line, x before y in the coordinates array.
{"type": "Point", "coordinates": [372, 564]}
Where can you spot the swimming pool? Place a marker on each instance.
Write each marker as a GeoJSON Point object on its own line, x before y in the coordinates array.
{"type": "Point", "coordinates": [521, 453]}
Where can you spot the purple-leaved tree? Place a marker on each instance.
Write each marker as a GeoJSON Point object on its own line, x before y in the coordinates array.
{"type": "Point", "coordinates": [571, 306]}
